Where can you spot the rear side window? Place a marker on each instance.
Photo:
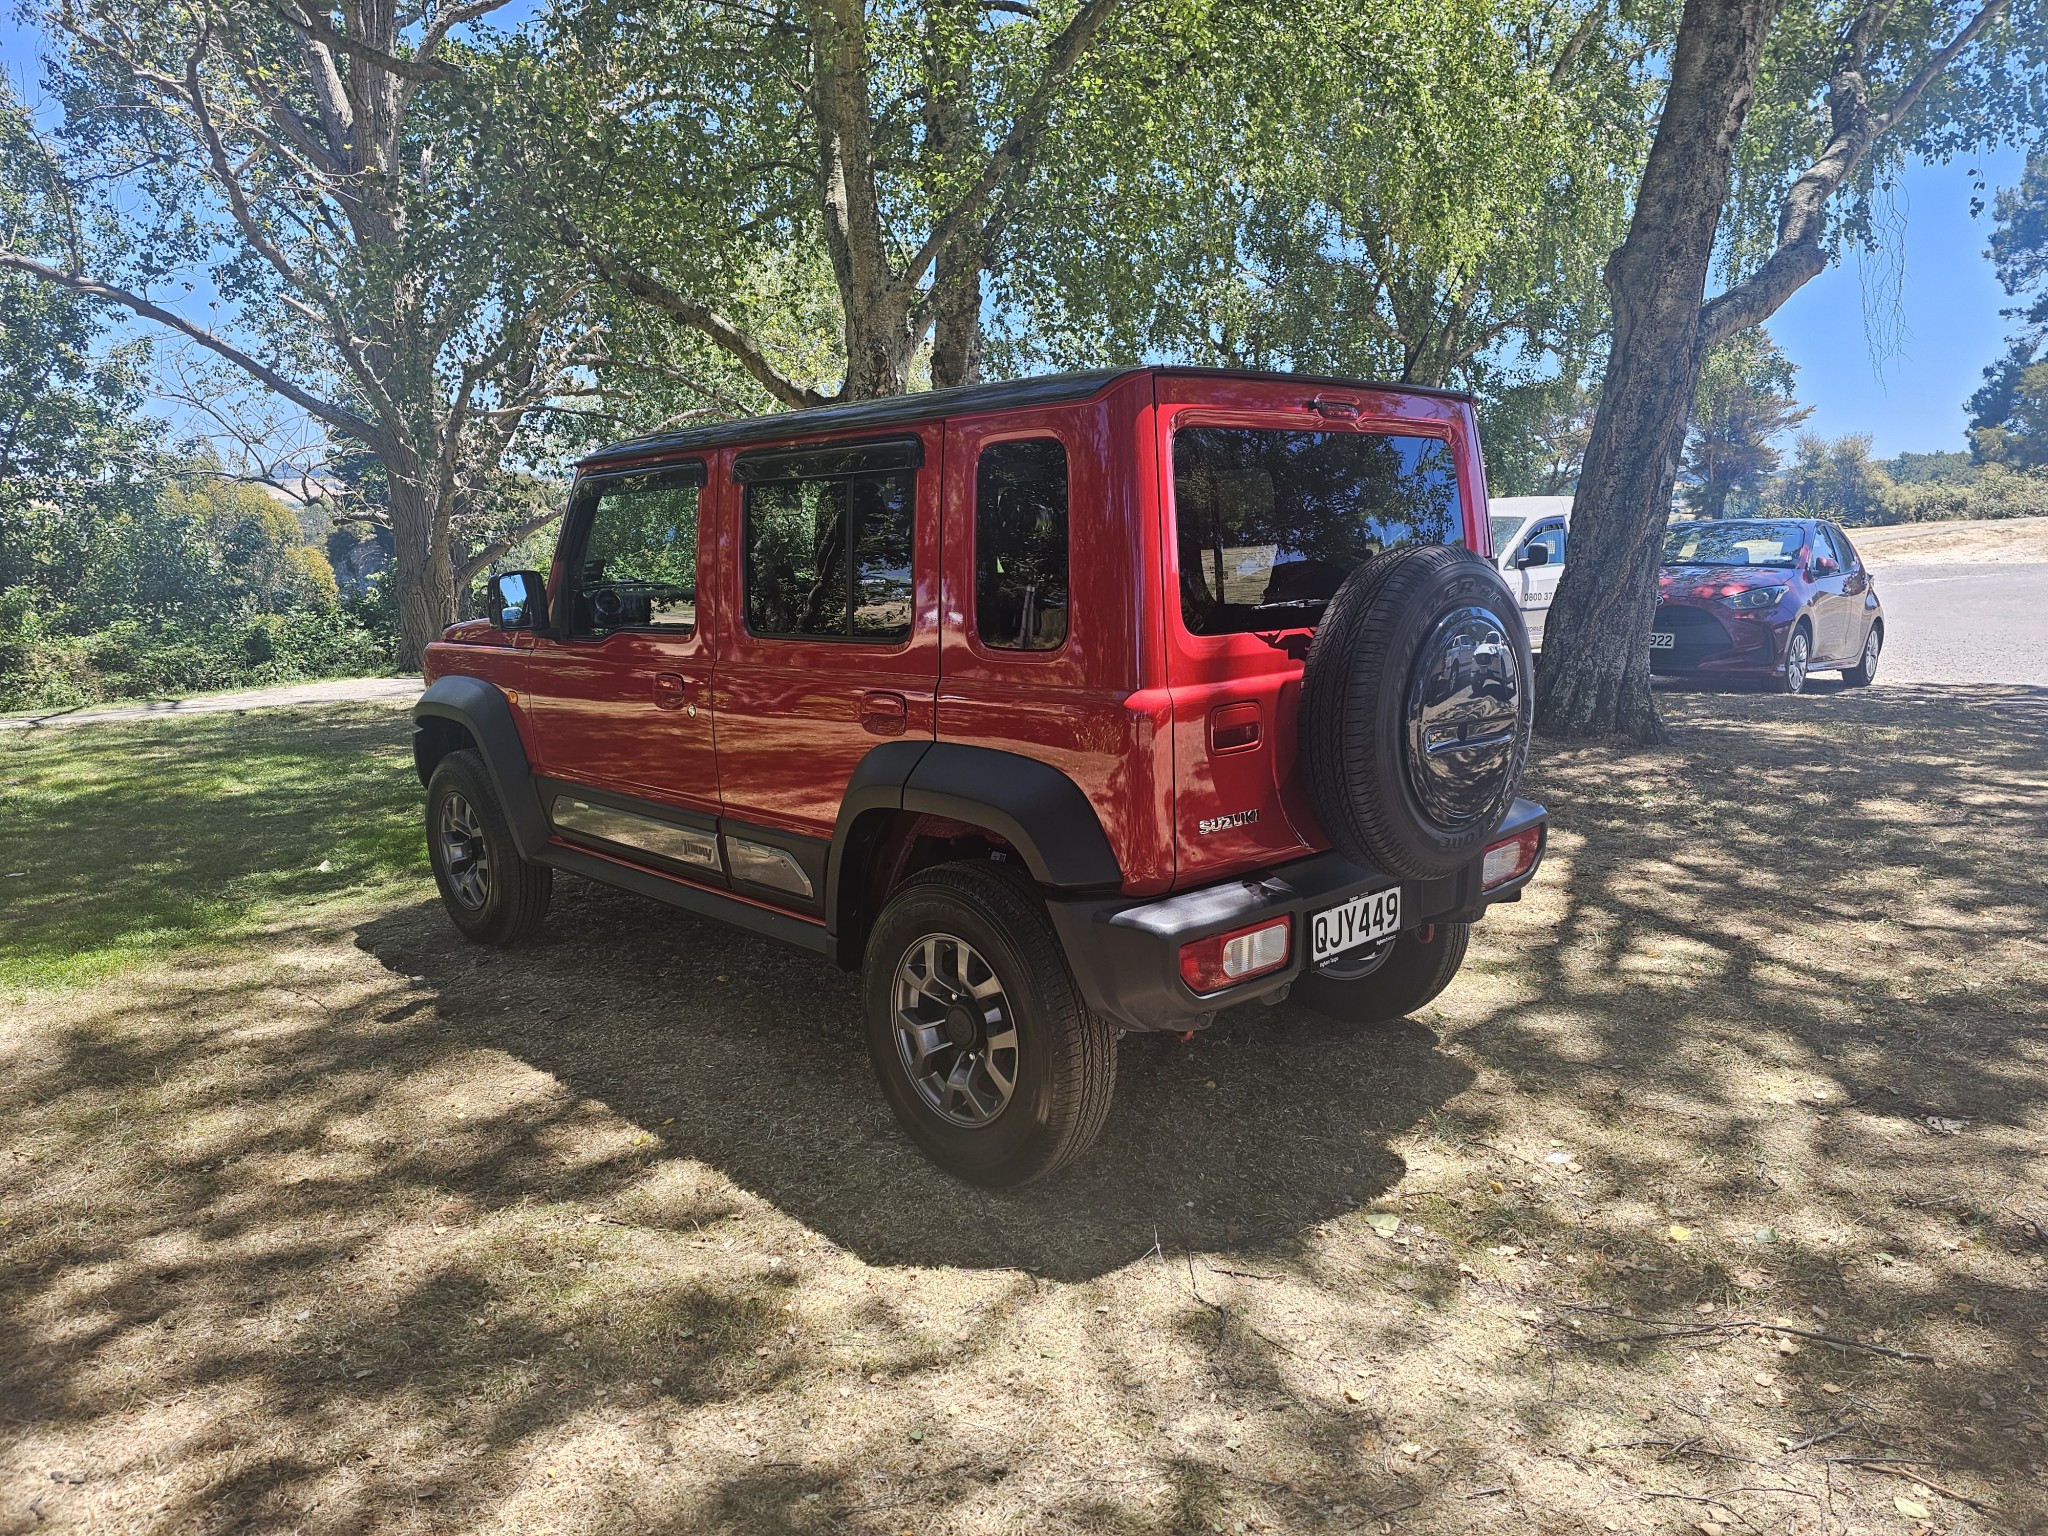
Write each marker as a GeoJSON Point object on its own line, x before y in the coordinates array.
{"type": "Point", "coordinates": [1020, 546]}
{"type": "Point", "coordinates": [829, 558]}
{"type": "Point", "coordinates": [1269, 522]}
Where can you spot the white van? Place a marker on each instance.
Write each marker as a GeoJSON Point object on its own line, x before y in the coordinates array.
{"type": "Point", "coordinates": [1529, 534]}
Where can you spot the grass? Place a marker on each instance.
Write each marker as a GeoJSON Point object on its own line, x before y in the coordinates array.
{"type": "Point", "coordinates": [122, 844]}
{"type": "Point", "coordinates": [314, 1219]}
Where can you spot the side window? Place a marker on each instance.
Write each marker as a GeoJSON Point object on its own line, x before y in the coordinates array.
{"type": "Point", "coordinates": [1825, 543]}
{"type": "Point", "coordinates": [1846, 551]}
{"type": "Point", "coordinates": [828, 558]}
{"type": "Point", "coordinates": [639, 565]}
{"type": "Point", "coordinates": [1020, 546]}
{"type": "Point", "coordinates": [1551, 538]}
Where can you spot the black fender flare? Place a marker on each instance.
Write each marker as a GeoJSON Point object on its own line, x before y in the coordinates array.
{"type": "Point", "coordinates": [482, 709]}
{"type": "Point", "coordinates": [1031, 805]}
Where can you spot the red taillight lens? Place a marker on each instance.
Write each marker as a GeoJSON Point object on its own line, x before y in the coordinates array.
{"type": "Point", "coordinates": [1511, 860]}
{"type": "Point", "coordinates": [1210, 965]}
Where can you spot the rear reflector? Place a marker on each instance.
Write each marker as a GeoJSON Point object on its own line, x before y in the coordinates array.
{"type": "Point", "coordinates": [1510, 860]}
{"type": "Point", "coordinates": [1210, 965]}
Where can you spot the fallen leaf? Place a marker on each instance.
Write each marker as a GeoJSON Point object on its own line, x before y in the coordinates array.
{"type": "Point", "coordinates": [1830, 1387]}
{"type": "Point", "coordinates": [1912, 1509]}
{"type": "Point", "coordinates": [1704, 1308]}
{"type": "Point", "coordinates": [1496, 1186]}
{"type": "Point", "coordinates": [1679, 1234]}
{"type": "Point", "coordinates": [1409, 1448]}
{"type": "Point", "coordinates": [1353, 1395]}
{"type": "Point", "coordinates": [1558, 1157]}
{"type": "Point", "coordinates": [1385, 1223]}
{"type": "Point", "coordinates": [326, 866]}
{"type": "Point", "coordinates": [1767, 1234]}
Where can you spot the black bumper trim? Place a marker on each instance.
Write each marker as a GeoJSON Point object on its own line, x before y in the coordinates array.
{"type": "Point", "coordinates": [1125, 954]}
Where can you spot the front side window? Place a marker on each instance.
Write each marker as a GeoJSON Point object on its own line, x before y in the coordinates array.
{"type": "Point", "coordinates": [639, 566]}
{"type": "Point", "coordinates": [1270, 522]}
{"type": "Point", "coordinates": [1552, 539]}
{"type": "Point", "coordinates": [829, 558]}
{"type": "Point", "coordinates": [1020, 546]}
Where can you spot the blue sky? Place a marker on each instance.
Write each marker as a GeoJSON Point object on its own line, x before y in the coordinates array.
{"type": "Point", "coordinates": [1938, 320]}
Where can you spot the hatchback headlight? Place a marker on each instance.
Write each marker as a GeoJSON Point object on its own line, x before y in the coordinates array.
{"type": "Point", "coordinates": [1753, 599]}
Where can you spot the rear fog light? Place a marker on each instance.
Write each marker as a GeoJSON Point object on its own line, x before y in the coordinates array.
{"type": "Point", "coordinates": [1210, 965]}
{"type": "Point", "coordinates": [1510, 860]}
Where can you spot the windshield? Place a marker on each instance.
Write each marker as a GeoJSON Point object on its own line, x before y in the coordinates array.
{"type": "Point", "coordinates": [1502, 530]}
{"type": "Point", "coordinates": [1270, 522]}
{"type": "Point", "coordinates": [1772, 544]}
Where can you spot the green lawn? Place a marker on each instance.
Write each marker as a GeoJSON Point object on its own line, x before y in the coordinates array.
{"type": "Point", "coordinates": [119, 843]}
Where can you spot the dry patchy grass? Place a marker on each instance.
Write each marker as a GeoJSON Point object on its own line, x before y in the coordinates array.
{"type": "Point", "coordinates": [325, 1222]}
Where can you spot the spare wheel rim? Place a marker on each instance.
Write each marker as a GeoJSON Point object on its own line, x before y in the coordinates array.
{"type": "Point", "coordinates": [1464, 717]}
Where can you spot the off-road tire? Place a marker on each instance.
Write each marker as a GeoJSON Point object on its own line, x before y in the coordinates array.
{"type": "Point", "coordinates": [517, 892]}
{"type": "Point", "coordinates": [1790, 680]}
{"type": "Point", "coordinates": [1409, 977]}
{"type": "Point", "coordinates": [1065, 1071]}
{"type": "Point", "coordinates": [1355, 703]}
{"type": "Point", "coordinates": [1865, 671]}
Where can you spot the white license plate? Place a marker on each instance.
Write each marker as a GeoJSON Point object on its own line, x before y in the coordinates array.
{"type": "Point", "coordinates": [1360, 920]}
{"type": "Point", "coordinates": [1662, 640]}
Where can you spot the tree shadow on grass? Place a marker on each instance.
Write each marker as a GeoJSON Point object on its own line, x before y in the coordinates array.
{"type": "Point", "coordinates": [749, 1057]}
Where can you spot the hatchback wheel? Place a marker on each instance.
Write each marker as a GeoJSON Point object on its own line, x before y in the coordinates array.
{"type": "Point", "coordinates": [492, 894]}
{"type": "Point", "coordinates": [1860, 675]}
{"type": "Point", "coordinates": [984, 1049]}
{"type": "Point", "coordinates": [1798, 657]}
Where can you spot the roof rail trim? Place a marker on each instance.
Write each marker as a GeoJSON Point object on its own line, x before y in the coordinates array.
{"type": "Point", "coordinates": [931, 405]}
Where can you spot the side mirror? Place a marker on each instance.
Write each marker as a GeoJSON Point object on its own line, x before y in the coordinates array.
{"type": "Point", "coordinates": [519, 600]}
{"type": "Point", "coordinates": [1532, 554]}
{"type": "Point", "coordinates": [1823, 566]}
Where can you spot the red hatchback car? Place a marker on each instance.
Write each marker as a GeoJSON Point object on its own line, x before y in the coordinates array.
{"type": "Point", "coordinates": [1769, 598]}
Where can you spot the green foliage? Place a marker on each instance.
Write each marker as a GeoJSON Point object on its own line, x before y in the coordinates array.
{"type": "Point", "coordinates": [1839, 480]}
{"type": "Point", "coordinates": [1742, 403]}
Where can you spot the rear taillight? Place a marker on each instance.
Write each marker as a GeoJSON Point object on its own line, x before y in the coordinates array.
{"type": "Point", "coordinates": [1510, 860]}
{"type": "Point", "coordinates": [1210, 965]}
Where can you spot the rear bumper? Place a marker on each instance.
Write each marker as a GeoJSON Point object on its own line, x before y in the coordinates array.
{"type": "Point", "coordinates": [1125, 955]}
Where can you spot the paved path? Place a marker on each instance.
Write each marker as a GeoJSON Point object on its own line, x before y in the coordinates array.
{"type": "Point", "coordinates": [345, 690]}
{"type": "Point", "coordinates": [1980, 623]}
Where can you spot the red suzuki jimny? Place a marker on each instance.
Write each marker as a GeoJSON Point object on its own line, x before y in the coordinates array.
{"type": "Point", "coordinates": [1059, 708]}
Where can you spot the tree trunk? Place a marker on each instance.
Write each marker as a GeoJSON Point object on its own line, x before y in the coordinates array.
{"type": "Point", "coordinates": [956, 316]}
{"type": "Point", "coordinates": [420, 568]}
{"type": "Point", "coordinates": [1593, 677]}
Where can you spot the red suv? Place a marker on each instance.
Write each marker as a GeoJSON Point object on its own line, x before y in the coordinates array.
{"type": "Point", "coordinates": [1058, 708]}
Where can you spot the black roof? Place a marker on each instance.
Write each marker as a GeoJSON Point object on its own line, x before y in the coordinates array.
{"type": "Point", "coordinates": [899, 410]}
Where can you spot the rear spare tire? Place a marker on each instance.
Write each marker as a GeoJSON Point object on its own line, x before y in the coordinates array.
{"type": "Point", "coordinates": [1416, 711]}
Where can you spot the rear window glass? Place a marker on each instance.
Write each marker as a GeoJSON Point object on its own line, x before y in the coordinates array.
{"type": "Point", "coordinates": [1020, 546]}
{"type": "Point", "coordinates": [1271, 522]}
{"type": "Point", "coordinates": [829, 559]}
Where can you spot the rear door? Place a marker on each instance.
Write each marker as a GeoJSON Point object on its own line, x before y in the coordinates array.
{"type": "Point", "coordinates": [1274, 491]}
{"type": "Point", "coordinates": [619, 692]}
{"type": "Point", "coordinates": [831, 579]}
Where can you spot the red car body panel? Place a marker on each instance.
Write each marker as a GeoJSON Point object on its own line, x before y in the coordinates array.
{"type": "Point", "coordinates": [1147, 719]}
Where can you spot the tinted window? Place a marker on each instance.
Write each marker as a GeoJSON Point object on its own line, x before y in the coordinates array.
{"type": "Point", "coordinates": [1020, 546]}
{"type": "Point", "coordinates": [1827, 542]}
{"type": "Point", "coordinates": [829, 559]}
{"type": "Point", "coordinates": [1270, 523]}
{"type": "Point", "coordinates": [639, 568]}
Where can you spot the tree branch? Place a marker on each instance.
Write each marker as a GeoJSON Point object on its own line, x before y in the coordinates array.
{"type": "Point", "coordinates": [1021, 141]}
{"type": "Point", "coordinates": [699, 317]}
{"type": "Point", "coordinates": [1799, 254]}
{"type": "Point", "coordinates": [338, 417]}
{"type": "Point", "coordinates": [313, 27]}
{"type": "Point", "coordinates": [470, 569]}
